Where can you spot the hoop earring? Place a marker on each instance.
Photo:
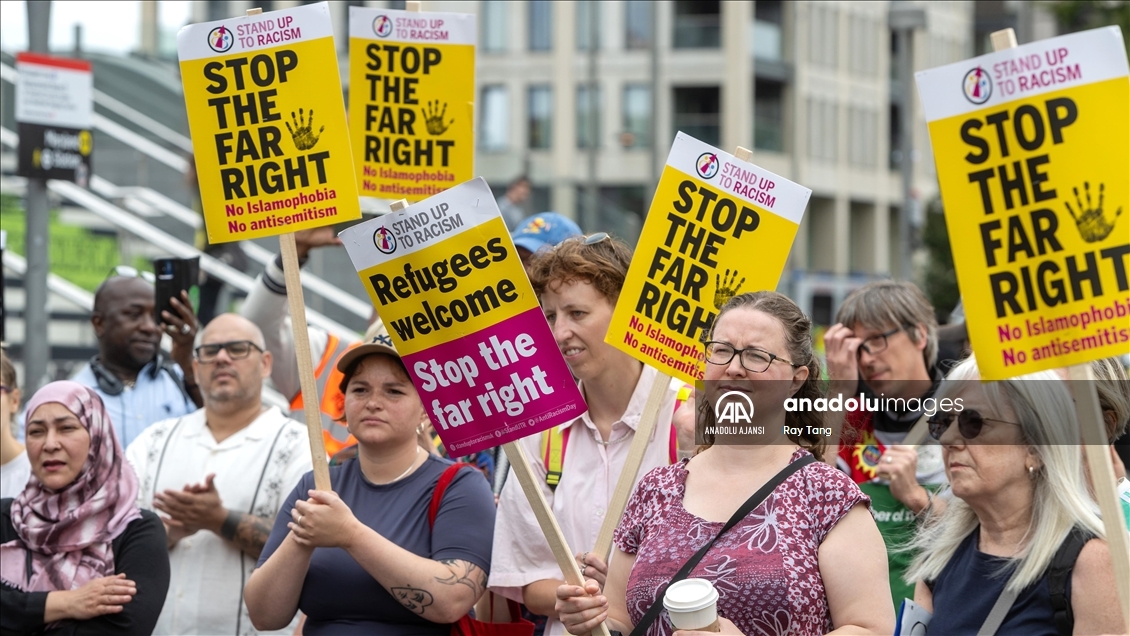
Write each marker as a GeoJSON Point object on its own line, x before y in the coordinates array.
{"type": "Point", "coordinates": [421, 427]}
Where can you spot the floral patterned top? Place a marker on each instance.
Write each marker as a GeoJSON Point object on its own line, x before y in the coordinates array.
{"type": "Point", "coordinates": [765, 568]}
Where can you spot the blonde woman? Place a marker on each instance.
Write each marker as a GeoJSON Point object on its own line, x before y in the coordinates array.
{"type": "Point", "coordinates": [1020, 531]}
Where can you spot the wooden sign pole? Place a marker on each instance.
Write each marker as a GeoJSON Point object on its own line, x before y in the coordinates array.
{"type": "Point", "coordinates": [644, 430]}
{"type": "Point", "coordinates": [310, 399]}
{"type": "Point", "coordinates": [916, 436]}
{"type": "Point", "coordinates": [521, 466]}
{"type": "Point", "coordinates": [1095, 443]}
{"type": "Point", "coordinates": [648, 419]}
{"type": "Point", "coordinates": [1097, 449]}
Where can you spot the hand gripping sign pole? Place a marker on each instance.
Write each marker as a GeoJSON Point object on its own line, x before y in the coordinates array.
{"type": "Point", "coordinates": [644, 432]}
{"type": "Point", "coordinates": [549, 527]}
{"type": "Point", "coordinates": [266, 163]}
{"type": "Point", "coordinates": [1095, 443]}
{"type": "Point", "coordinates": [477, 347]}
{"type": "Point", "coordinates": [521, 465]}
{"type": "Point", "coordinates": [310, 397]}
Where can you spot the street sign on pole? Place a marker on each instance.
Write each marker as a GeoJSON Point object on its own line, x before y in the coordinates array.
{"type": "Point", "coordinates": [54, 109]}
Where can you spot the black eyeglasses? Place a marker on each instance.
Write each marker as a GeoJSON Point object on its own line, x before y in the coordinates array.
{"type": "Point", "coordinates": [878, 344]}
{"type": "Point", "coordinates": [969, 423]}
{"type": "Point", "coordinates": [125, 271]}
{"type": "Point", "coordinates": [751, 358]}
{"type": "Point", "coordinates": [5, 389]}
{"type": "Point", "coordinates": [237, 350]}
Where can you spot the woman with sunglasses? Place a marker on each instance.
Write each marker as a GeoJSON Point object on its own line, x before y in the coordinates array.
{"type": "Point", "coordinates": [807, 560]}
{"type": "Point", "coordinates": [380, 554]}
{"type": "Point", "coordinates": [1020, 534]}
{"type": "Point", "coordinates": [578, 283]}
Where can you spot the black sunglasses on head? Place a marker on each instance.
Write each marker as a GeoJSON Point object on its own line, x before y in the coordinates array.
{"type": "Point", "coordinates": [969, 423]}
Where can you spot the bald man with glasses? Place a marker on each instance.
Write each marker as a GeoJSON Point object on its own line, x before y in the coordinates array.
{"type": "Point", "coordinates": [217, 478]}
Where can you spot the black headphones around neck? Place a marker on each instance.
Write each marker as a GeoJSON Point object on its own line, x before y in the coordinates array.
{"type": "Point", "coordinates": [109, 383]}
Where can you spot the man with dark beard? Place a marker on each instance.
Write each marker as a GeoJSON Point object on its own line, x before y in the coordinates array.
{"type": "Point", "coordinates": [137, 382]}
{"type": "Point", "coordinates": [240, 459]}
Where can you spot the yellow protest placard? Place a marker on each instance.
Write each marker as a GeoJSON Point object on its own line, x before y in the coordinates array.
{"type": "Point", "coordinates": [411, 103]}
{"type": "Point", "coordinates": [717, 227]}
{"type": "Point", "coordinates": [1032, 146]}
{"type": "Point", "coordinates": [268, 123]}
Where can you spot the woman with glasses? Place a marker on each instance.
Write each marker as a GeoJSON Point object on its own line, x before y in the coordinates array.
{"type": "Point", "coordinates": [383, 553]}
{"type": "Point", "coordinates": [579, 463]}
{"type": "Point", "coordinates": [1019, 545]}
{"type": "Point", "coordinates": [807, 560]}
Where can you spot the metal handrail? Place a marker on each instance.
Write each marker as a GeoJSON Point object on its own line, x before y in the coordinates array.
{"type": "Point", "coordinates": [316, 284]}
{"type": "Point", "coordinates": [123, 134]}
{"type": "Point", "coordinates": [143, 120]}
{"type": "Point", "coordinates": [84, 299]}
{"type": "Point", "coordinates": [56, 284]}
{"type": "Point", "coordinates": [106, 189]}
{"type": "Point", "coordinates": [128, 222]}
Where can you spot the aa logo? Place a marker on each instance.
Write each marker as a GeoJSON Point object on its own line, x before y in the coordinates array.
{"type": "Point", "coordinates": [382, 26]}
{"type": "Point", "coordinates": [977, 86]}
{"type": "Point", "coordinates": [384, 240]}
{"type": "Point", "coordinates": [220, 39]}
{"type": "Point", "coordinates": [733, 407]}
{"type": "Point", "coordinates": [707, 165]}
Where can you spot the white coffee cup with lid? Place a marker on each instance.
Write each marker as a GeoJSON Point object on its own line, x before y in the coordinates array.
{"type": "Point", "coordinates": [692, 604]}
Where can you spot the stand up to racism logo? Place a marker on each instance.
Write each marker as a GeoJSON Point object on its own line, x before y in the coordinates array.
{"type": "Point", "coordinates": [977, 85]}
{"type": "Point", "coordinates": [707, 165]}
{"type": "Point", "coordinates": [384, 240]}
{"type": "Point", "coordinates": [220, 39]}
{"type": "Point", "coordinates": [382, 26]}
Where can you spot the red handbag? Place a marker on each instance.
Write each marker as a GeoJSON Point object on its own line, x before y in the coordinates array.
{"type": "Point", "coordinates": [468, 626]}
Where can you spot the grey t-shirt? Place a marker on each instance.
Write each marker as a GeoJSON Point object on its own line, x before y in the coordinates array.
{"type": "Point", "coordinates": [339, 596]}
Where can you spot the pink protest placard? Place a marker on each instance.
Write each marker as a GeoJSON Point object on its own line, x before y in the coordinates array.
{"type": "Point", "coordinates": [450, 287]}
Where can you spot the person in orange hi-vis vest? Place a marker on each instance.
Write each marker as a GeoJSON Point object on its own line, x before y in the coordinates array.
{"type": "Point", "coordinates": [266, 306]}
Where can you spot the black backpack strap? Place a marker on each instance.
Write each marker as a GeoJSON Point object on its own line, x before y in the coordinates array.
{"type": "Point", "coordinates": [752, 503]}
{"type": "Point", "coordinates": [1059, 573]}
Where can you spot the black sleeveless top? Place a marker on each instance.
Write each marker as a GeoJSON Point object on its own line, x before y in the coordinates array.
{"type": "Point", "coordinates": [967, 588]}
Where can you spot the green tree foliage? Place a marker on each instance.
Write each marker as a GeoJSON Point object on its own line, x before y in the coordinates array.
{"type": "Point", "coordinates": [941, 280]}
{"type": "Point", "coordinates": [79, 255]}
{"type": "Point", "coordinates": [1080, 15]}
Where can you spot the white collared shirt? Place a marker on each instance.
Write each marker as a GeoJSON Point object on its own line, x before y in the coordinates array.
{"type": "Point", "coordinates": [256, 468]}
{"type": "Point", "coordinates": [521, 554]}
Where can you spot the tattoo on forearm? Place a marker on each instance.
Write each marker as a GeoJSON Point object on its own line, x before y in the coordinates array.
{"type": "Point", "coordinates": [414, 598]}
{"type": "Point", "coordinates": [251, 534]}
{"type": "Point", "coordinates": [464, 573]}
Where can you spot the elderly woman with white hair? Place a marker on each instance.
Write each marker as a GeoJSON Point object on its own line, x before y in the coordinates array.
{"type": "Point", "coordinates": [1019, 548]}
